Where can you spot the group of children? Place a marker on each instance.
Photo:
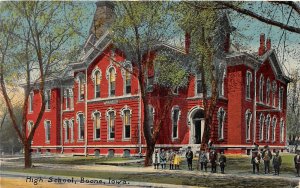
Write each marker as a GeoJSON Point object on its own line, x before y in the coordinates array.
{"type": "Point", "coordinates": [173, 159]}
{"type": "Point", "coordinates": [266, 156]}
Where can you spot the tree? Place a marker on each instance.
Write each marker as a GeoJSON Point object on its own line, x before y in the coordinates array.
{"type": "Point", "coordinates": [35, 39]}
{"type": "Point", "coordinates": [293, 107]}
{"type": "Point", "coordinates": [137, 31]}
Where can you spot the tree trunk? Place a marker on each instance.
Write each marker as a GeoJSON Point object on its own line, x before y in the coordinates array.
{"type": "Point", "coordinates": [27, 154]}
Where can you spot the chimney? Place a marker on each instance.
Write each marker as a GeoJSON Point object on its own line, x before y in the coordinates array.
{"type": "Point", "coordinates": [103, 18]}
{"type": "Point", "coordinates": [187, 42]}
{"type": "Point", "coordinates": [261, 49]}
{"type": "Point", "coordinates": [268, 44]}
{"type": "Point", "coordinates": [227, 43]}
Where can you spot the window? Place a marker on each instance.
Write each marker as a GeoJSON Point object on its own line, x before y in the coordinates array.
{"type": "Point", "coordinates": [280, 102]}
{"type": "Point", "coordinates": [261, 126]}
{"type": "Point", "coordinates": [222, 85]}
{"type": "Point", "coordinates": [274, 129]}
{"type": "Point", "coordinates": [97, 83]}
{"type": "Point", "coordinates": [268, 123]}
{"type": "Point", "coordinates": [126, 121]}
{"type": "Point", "coordinates": [80, 120]}
{"type": "Point", "coordinates": [261, 88]}
{"type": "Point", "coordinates": [151, 117]}
{"type": "Point", "coordinates": [47, 125]}
{"type": "Point", "coordinates": [111, 124]}
{"type": "Point", "coordinates": [248, 117]}
{"type": "Point", "coordinates": [67, 98]}
{"type": "Point", "coordinates": [81, 82]}
{"type": "Point", "coordinates": [221, 120]}
{"type": "Point", "coordinates": [67, 130]}
{"type": "Point", "coordinates": [248, 84]}
{"type": "Point", "coordinates": [175, 120]}
{"type": "Point", "coordinates": [29, 126]}
{"type": "Point", "coordinates": [48, 99]}
{"type": "Point", "coordinates": [96, 117]}
{"type": "Point", "coordinates": [150, 82]}
{"type": "Point", "coordinates": [281, 130]}
{"type": "Point", "coordinates": [274, 89]}
{"type": "Point", "coordinates": [127, 78]}
{"type": "Point", "coordinates": [112, 82]}
{"type": "Point", "coordinates": [31, 94]}
{"type": "Point", "coordinates": [71, 124]}
{"type": "Point", "coordinates": [199, 86]}
{"type": "Point", "coordinates": [268, 91]}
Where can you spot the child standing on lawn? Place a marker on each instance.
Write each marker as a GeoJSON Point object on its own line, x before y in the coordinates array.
{"type": "Point", "coordinates": [177, 160]}
{"type": "Point", "coordinates": [203, 161]}
{"type": "Point", "coordinates": [277, 163]}
{"type": "Point", "coordinates": [222, 161]}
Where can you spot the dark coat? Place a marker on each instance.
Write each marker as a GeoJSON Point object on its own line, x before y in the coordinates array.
{"type": "Point", "coordinates": [189, 155]}
{"type": "Point", "coordinates": [297, 161]}
{"type": "Point", "coordinates": [266, 155]}
{"type": "Point", "coordinates": [222, 160]}
{"type": "Point", "coordinates": [277, 160]}
{"type": "Point", "coordinates": [213, 156]}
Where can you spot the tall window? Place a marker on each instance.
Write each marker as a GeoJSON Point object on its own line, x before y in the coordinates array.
{"type": "Point", "coordinates": [30, 102]}
{"type": "Point", "coordinates": [29, 126]}
{"type": "Point", "coordinates": [47, 125]}
{"type": "Point", "coordinates": [112, 82]}
{"type": "Point", "coordinates": [67, 98]}
{"type": "Point", "coordinates": [248, 117]}
{"type": "Point", "coordinates": [221, 120]}
{"type": "Point", "coordinates": [261, 88]}
{"type": "Point", "coordinates": [268, 124]}
{"type": "Point", "coordinates": [127, 79]}
{"type": "Point", "coordinates": [111, 125]}
{"type": "Point", "coordinates": [280, 98]}
{"type": "Point", "coordinates": [274, 121]}
{"type": "Point", "coordinates": [71, 124]}
{"type": "Point", "coordinates": [268, 91]}
{"type": "Point", "coordinates": [248, 84]}
{"type": "Point", "coordinates": [151, 117]}
{"type": "Point", "coordinates": [96, 125]}
{"type": "Point", "coordinates": [48, 99]}
{"type": "Point", "coordinates": [81, 87]}
{"type": "Point", "coordinates": [80, 120]}
{"type": "Point", "coordinates": [281, 130]}
{"type": "Point", "coordinates": [175, 120]}
{"type": "Point", "coordinates": [274, 89]}
{"type": "Point", "coordinates": [199, 86]}
{"type": "Point", "coordinates": [97, 83]}
{"type": "Point", "coordinates": [126, 121]}
{"type": "Point", "coordinates": [67, 130]}
{"type": "Point", "coordinates": [261, 126]}
{"type": "Point", "coordinates": [222, 85]}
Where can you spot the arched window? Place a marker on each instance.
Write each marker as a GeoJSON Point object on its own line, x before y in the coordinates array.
{"type": "Point", "coordinates": [261, 126]}
{"type": "Point", "coordinates": [97, 83]}
{"type": "Point", "coordinates": [281, 130]}
{"type": "Point", "coordinates": [29, 127]}
{"type": "Point", "coordinates": [274, 121]}
{"type": "Point", "coordinates": [48, 99]}
{"type": "Point", "coordinates": [280, 98]}
{"type": "Point", "coordinates": [47, 125]}
{"type": "Point", "coordinates": [274, 89]}
{"type": "Point", "coordinates": [112, 81]}
{"type": "Point", "coordinates": [30, 102]}
{"type": "Point", "coordinates": [221, 121]}
{"type": "Point", "coordinates": [80, 121]}
{"type": "Point", "coordinates": [126, 73]}
{"type": "Point", "coordinates": [71, 123]}
{"type": "Point", "coordinates": [67, 130]}
{"type": "Point", "coordinates": [111, 115]}
{"type": "Point", "coordinates": [175, 120]}
{"type": "Point", "coordinates": [268, 124]}
{"type": "Point", "coordinates": [222, 85]}
{"type": "Point", "coordinates": [96, 117]}
{"type": "Point", "coordinates": [248, 116]}
{"type": "Point", "coordinates": [261, 88]}
{"type": "Point", "coordinates": [199, 85]}
{"type": "Point", "coordinates": [248, 84]}
{"type": "Point", "coordinates": [268, 91]}
{"type": "Point", "coordinates": [80, 78]}
{"type": "Point", "coordinates": [126, 116]}
{"type": "Point", "coordinates": [151, 117]}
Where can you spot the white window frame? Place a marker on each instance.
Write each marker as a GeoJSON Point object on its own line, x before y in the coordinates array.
{"type": "Point", "coordinates": [109, 126]}
{"type": "Point", "coordinates": [29, 127]}
{"type": "Point", "coordinates": [222, 85]}
{"type": "Point", "coordinates": [261, 126]}
{"type": "Point", "coordinates": [248, 84]}
{"type": "Point", "coordinates": [108, 73]}
{"type": "Point", "coordinates": [274, 90]}
{"type": "Point", "coordinates": [80, 137]}
{"type": "Point", "coordinates": [274, 124]}
{"type": "Point", "coordinates": [282, 131]}
{"type": "Point", "coordinates": [280, 98]}
{"type": "Point", "coordinates": [67, 129]}
{"type": "Point", "coordinates": [80, 79]}
{"type": "Point", "coordinates": [268, 122]}
{"type": "Point", "coordinates": [94, 79]}
{"type": "Point", "coordinates": [47, 131]}
{"type": "Point", "coordinates": [221, 122]}
{"type": "Point", "coordinates": [261, 89]}
{"type": "Point", "coordinates": [126, 108]}
{"type": "Point", "coordinates": [95, 126]}
{"type": "Point", "coordinates": [48, 99]}
{"type": "Point", "coordinates": [248, 124]}
{"type": "Point", "coordinates": [198, 76]}
{"type": "Point", "coordinates": [268, 91]}
{"type": "Point", "coordinates": [30, 99]}
{"type": "Point", "coordinates": [127, 65]}
{"type": "Point", "coordinates": [173, 122]}
{"type": "Point", "coordinates": [71, 123]}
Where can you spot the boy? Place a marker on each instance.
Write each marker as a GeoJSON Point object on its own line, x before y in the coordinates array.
{"type": "Point", "coordinates": [222, 161]}
{"type": "Point", "coordinates": [277, 163]}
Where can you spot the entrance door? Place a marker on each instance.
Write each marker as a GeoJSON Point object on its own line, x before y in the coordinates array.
{"type": "Point", "coordinates": [198, 131]}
